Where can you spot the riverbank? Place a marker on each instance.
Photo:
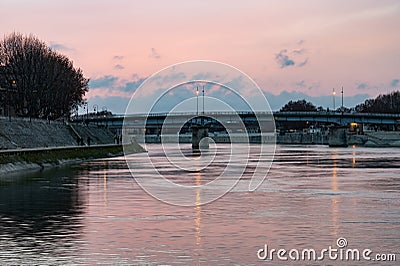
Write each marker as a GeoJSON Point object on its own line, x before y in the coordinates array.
{"type": "Point", "coordinates": [38, 158]}
{"type": "Point", "coordinates": [21, 133]}
{"type": "Point", "coordinates": [379, 139]}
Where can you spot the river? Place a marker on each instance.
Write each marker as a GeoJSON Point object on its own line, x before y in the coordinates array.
{"type": "Point", "coordinates": [95, 213]}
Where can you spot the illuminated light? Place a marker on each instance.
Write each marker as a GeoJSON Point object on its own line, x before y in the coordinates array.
{"type": "Point", "coordinates": [353, 124]}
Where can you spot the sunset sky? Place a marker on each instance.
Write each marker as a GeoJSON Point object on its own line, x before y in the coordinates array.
{"type": "Point", "coordinates": [290, 48]}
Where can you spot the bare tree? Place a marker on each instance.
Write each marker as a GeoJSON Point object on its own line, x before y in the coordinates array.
{"type": "Point", "coordinates": [45, 82]}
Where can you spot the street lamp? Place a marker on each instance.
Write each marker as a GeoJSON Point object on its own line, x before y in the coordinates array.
{"type": "Point", "coordinates": [342, 100]}
{"type": "Point", "coordinates": [203, 99]}
{"type": "Point", "coordinates": [86, 107]}
{"type": "Point", "coordinates": [333, 97]}
{"type": "Point", "coordinates": [104, 108]}
{"type": "Point", "coordinates": [202, 117]}
{"type": "Point", "coordinates": [197, 98]}
{"type": "Point", "coordinates": [96, 109]}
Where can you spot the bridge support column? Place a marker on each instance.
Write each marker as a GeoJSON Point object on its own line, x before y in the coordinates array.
{"type": "Point", "coordinates": [337, 137]}
{"type": "Point", "coordinates": [199, 137]}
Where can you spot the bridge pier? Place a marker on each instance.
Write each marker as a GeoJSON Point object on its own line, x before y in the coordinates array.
{"type": "Point", "coordinates": [199, 133]}
{"type": "Point", "coordinates": [337, 137]}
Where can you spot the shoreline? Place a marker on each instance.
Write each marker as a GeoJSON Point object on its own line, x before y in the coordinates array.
{"type": "Point", "coordinates": [35, 159]}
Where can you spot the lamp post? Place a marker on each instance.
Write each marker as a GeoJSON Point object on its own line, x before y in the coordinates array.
{"type": "Point", "coordinates": [96, 110]}
{"type": "Point", "coordinates": [104, 108]}
{"type": "Point", "coordinates": [333, 97]}
{"type": "Point", "coordinates": [197, 96]}
{"type": "Point", "coordinates": [203, 99]}
{"type": "Point", "coordinates": [85, 110]}
{"type": "Point", "coordinates": [342, 100]}
{"type": "Point", "coordinates": [202, 117]}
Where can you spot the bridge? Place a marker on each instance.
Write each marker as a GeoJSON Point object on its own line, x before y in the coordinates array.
{"type": "Point", "coordinates": [155, 121]}
{"type": "Point", "coordinates": [338, 118]}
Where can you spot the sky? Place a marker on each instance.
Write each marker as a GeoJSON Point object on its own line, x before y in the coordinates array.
{"type": "Point", "coordinates": [291, 49]}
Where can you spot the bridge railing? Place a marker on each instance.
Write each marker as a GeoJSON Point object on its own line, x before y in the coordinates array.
{"type": "Point", "coordinates": [335, 113]}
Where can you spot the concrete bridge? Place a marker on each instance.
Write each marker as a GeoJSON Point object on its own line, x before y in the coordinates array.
{"type": "Point", "coordinates": [339, 118]}
{"type": "Point", "coordinates": [154, 122]}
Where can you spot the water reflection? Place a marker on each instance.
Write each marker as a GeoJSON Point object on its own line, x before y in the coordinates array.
{"type": "Point", "coordinates": [353, 161]}
{"type": "Point", "coordinates": [38, 211]}
{"type": "Point", "coordinates": [105, 183]}
{"type": "Point", "coordinates": [335, 204]}
{"type": "Point", "coordinates": [198, 215]}
{"type": "Point", "coordinates": [95, 213]}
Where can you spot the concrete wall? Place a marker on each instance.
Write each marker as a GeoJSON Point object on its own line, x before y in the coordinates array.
{"type": "Point", "coordinates": [378, 139]}
{"type": "Point", "coordinates": [21, 133]}
{"type": "Point", "coordinates": [302, 138]}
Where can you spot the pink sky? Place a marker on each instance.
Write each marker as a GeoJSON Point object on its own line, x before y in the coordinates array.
{"type": "Point", "coordinates": [304, 46]}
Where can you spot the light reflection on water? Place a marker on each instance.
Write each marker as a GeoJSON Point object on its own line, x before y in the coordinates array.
{"type": "Point", "coordinates": [95, 212]}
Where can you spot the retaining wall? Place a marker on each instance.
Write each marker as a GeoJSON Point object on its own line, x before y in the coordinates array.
{"type": "Point", "coordinates": [22, 133]}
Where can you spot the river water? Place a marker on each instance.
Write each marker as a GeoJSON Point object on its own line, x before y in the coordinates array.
{"type": "Point", "coordinates": [95, 212]}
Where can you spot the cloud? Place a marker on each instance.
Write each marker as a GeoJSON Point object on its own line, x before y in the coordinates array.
{"type": "Point", "coordinates": [299, 51]}
{"type": "Point", "coordinates": [107, 81]}
{"type": "Point", "coordinates": [277, 101]}
{"type": "Point", "coordinates": [117, 98]}
{"type": "Point", "coordinates": [154, 54]}
{"type": "Point", "coordinates": [132, 85]}
{"type": "Point", "coordinates": [60, 47]}
{"type": "Point", "coordinates": [394, 83]}
{"type": "Point", "coordinates": [118, 57]}
{"type": "Point", "coordinates": [362, 86]}
{"type": "Point", "coordinates": [301, 64]}
{"type": "Point", "coordinates": [301, 84]}
{"type": "Point", "coordinates": [119, 67]}
{"type": "Point", "coordinates": [283, 59]}
{"type": "Point", "coordinates": [115, 85]}
{"type": "Point", "coordinates": [115, 104]}
{"type": "Point", "coordinates": [295, 56]}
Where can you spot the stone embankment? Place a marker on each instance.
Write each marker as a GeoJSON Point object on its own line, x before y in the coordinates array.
{"type": "Point", "coordinates": [368, 139]}
{"type": "Point", "coordinates": [301, 138]}
{"type": "Point", "coordinates": [36, 144]}
{"type": "Point", "coordinates": [39, 158]}
{"type": "Point", "coordinates": [23, 133]}
{"type": "Point", "coordinates": [376, 139]}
